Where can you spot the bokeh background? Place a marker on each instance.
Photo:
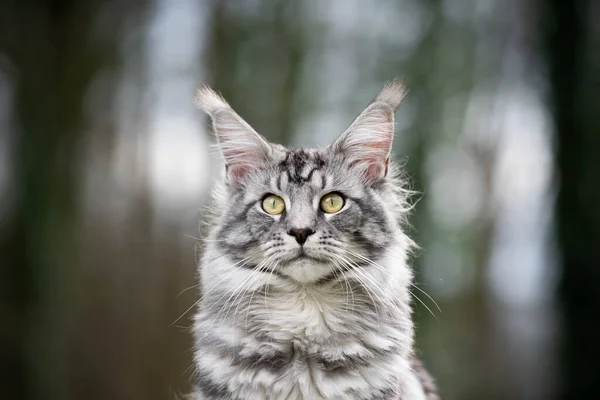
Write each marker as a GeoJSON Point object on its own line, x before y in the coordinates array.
{"type": "Point", "coordinates": [105, 166]}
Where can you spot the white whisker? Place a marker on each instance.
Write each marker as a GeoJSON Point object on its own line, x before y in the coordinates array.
{"type": "Point", "coordinates": [382, 269]}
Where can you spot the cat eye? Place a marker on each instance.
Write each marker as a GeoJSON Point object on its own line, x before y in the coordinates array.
{"type": "Point", "coordinates": [332, 203]}
{"type": "Point", "coordinates": [273, 204]}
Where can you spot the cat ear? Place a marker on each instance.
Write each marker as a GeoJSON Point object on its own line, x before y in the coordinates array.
{"type": "Point", "coordinates": [243, 149]}
{"type": "Point", "coordinates": [367, 143]}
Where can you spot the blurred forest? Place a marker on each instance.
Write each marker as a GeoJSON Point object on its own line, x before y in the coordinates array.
{"type": "Point", "coordinates": [105, 167]}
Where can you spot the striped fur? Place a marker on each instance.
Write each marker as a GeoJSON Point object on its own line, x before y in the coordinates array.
{"type": "Point", "coordinates": [329, 319]}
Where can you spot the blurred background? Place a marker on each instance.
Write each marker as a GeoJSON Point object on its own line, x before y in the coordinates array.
{"type": "Point", "coordinates": [105, 167]}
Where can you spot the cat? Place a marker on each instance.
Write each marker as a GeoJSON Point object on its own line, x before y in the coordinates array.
{"type": "Point", "coordinates": [304, 276]}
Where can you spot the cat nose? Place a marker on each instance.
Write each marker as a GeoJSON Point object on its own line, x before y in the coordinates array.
{"type": "Point", "coordinates": [301, 234]}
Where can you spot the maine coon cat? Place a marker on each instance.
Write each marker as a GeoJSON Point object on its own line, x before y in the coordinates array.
{"type": "Point", "coordinates": [304, 275]}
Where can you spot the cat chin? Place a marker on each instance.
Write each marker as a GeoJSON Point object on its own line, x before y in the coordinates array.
{"type": "Point", "coordinates": [306, 270]}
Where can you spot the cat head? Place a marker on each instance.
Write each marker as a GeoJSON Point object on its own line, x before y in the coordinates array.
{"type": "Point", "coordinates": [306, 213]}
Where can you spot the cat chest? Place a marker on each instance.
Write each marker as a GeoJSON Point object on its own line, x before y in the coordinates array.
{"type": "Point", "coordinates": [319, 353]}
{"type": "Point", "coordinates": [308, 332]}
{"type": "Point", "coordinates": [301, 368]}
{"type": "Point", "coordinates": [302, 348]}
{"type": "Point", "coordinates": [305, 369]}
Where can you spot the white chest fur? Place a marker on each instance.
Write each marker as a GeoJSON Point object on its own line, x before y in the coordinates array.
{"type": "Point", "coordinates": [303, 343]}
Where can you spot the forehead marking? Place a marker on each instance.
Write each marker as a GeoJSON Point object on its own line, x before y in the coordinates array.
{"type": "Point", "coordinates": [300, 165]}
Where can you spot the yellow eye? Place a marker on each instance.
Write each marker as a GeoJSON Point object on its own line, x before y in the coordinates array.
{"type": "Point", "coordinates": [273, 204]}
{"type": "Point", "coordinates": [332, 203]}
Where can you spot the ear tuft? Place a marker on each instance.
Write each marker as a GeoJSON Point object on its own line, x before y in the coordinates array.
{"type": "Point", "coordinates": [210, 101]}
{"type": "Point", "coordinates": [244, 150]}
{"type": "Point", "coordinates": [393, 93]}
{"type": "Point", "coordinates": [366, 145]}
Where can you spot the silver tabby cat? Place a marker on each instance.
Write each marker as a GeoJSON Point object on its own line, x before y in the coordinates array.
{"type": "Point", "coordinates": [304, 276]}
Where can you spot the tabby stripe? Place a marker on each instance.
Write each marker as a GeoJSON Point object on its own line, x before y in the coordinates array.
{"type": "Point", "coordinates": [210, 388]}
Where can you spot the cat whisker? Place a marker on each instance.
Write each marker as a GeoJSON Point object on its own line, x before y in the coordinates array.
{"type": "Point", "coordinates": [192, 237]}
{"type": "Point", "coordinates": [234, 293]}
{"type": "Point", "coordinates": [382, 269]}
{"type": "Point", "coordinates": [348, 287]}
{"type": "Point", "coordinates": [255, 275]}
{"type": "Point", "coordinates": [227, 276]}
{"type": "Point", "coordinates": [267, 265]}
{"type": "Point", "coordinates": [267, 289]}
{"type": "Point", "coordinates": [199, 300]}
{"type": "Point", "coordinates": [423, 303]}
{"type": "Point", "coordinates": [239, 293]}
{"type": "Point", "coordinates": [428, 296]}
{"type": "Point", "coordinates": [374, 282]}
{"type": "Point", "coordinates": [348, 269]}
{"type": "Point", "coordinates": [186, 289]}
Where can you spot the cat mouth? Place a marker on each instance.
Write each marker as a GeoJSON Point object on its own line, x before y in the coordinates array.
{"type": "Point", "coordinates": [302, 255]}
{"type": "Point", "coordinates": [305, 268]}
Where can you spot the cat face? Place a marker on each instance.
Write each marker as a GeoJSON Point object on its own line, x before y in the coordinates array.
{"type": "Point", "coordinates": [306, 214]}
{"type": "Point", "coordinates": [304, 233]}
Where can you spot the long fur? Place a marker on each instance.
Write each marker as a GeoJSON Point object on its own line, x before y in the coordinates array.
{"type": "Point", "coordinates": [326, 319]}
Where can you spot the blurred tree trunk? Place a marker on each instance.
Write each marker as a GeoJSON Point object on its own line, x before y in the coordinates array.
{"type": "Point", "coordinates": [55, 50]}
{"type": "Point", "coordinates": [575, 100]}
{"type": "Point", "coordinates": [45, 50]}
